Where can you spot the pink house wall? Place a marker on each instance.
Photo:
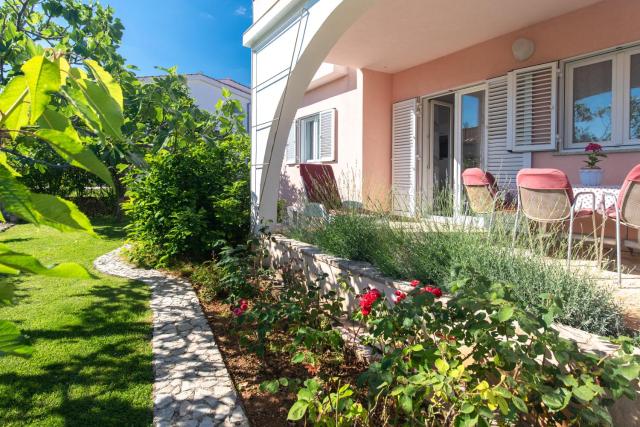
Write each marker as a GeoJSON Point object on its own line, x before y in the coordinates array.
{"type": "Point", "coordinates": [376, 136]}
{"type": "Point", "coordinates": [600, 26]}
{"type": "Point", "coordinates": [345, 95]}
{"type": "Point", "coordinates": [363, 99]}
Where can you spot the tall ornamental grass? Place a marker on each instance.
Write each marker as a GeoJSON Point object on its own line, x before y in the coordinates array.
{"type": "Point", "coordinates": [431, 249]}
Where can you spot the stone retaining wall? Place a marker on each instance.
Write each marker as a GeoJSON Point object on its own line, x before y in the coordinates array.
{"type": "Point", "coordinates": [359, 275]}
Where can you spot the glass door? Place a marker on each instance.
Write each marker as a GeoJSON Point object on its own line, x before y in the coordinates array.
{"type": "Point", "coordinates": [441, 157]}
{"type": "Point", "coordinates": [470, 136]}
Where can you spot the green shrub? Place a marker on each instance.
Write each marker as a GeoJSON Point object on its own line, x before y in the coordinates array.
{"type": "Point", "coordinates": [208, 277]}
{"type": "Point", "coordinates": [429, 253]}
{"type": "Point", "coordinates": [477, 359]}
{"type": "Point", "coordinates": [228, 276]}
{"type": "Point", "coordinates": [193, 192]}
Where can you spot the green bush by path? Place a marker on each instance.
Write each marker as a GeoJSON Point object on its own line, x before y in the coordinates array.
{"type": "Point", "coordinates": [193, 192]}
{"type": "Point", "coordinates": [430, 254]}
{"type": "Point", "coordinates": [91, 364]}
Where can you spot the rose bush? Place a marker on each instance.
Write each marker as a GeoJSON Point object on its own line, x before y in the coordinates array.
{"type": "Point", "coordinates": [476, 359]}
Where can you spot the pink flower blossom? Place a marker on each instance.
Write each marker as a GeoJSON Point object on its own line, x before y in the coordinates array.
{"type": "Point", "coordinates": [415, 283]}
{"type": "Point", "coordinates": [238, 311]}
{"type": "Point", "coordinates": [593, 147]}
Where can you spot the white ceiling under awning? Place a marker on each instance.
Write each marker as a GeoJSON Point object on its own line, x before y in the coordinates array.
{"type": "Point", "coordinates": [399, 34]}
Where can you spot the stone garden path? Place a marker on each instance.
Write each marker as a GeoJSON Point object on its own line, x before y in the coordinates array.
{"type": "Point", "coordinates": [192, 386]}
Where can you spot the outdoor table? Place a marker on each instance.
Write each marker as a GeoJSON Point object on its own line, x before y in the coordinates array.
{"type": "Point", "coordinates": [604, 193]}
{"type": "Point", "coordinates": [609, 195]}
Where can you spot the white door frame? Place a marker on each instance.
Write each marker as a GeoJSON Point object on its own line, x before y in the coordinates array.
{"type": "Point", "coordinates": [457, 142]}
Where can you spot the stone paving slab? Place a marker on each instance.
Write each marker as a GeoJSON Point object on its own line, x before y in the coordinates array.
{"type": "Point", "coordinates": [192, 386]}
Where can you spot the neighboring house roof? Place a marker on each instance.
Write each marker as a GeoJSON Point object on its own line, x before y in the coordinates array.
{"type": "Point", "coordinates": [225, 82]}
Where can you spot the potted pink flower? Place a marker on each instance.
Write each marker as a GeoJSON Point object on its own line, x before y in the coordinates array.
{"type": "Point", "coordinates": [591, 174]}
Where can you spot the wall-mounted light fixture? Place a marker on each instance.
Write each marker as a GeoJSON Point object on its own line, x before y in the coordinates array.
{"type": "Point", "coordinates": [523, 49]}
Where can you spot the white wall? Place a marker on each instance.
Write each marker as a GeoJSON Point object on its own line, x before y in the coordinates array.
{"type": "Point", "coordinates": [206, 91]}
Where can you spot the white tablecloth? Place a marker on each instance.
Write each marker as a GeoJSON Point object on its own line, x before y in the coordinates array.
{"type": "Point", "coordinates": [608, 194]}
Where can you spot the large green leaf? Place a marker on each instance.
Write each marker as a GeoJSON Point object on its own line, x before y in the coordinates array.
{"type": "Point", "coordinates": [4, 161]}
{"type": "Point", "coordinates": [107, 81]}
{"type": "Point", "coordinates": [108, 110]}
{"type": "Point", "coordinates": [629, 372]}
{"type": "Point", "coordinates": [54, 120]}
{"type": "Point", "coordinates": [15, 197]}
{"type": "Point", "coordinates": [76, 97]}
{"type": "Point", "coordinates": [60, 213]}
{"type": "Point", "coordinates": [13, 105]}
{"type": "Point", "coordinates": [43, 78]}
{"type": "Point", "coordinates": [505, 313]}
{"type": "Point", "coordinates": [75, 153]}
{"type": "Point", "coordinates": [29, 264]}
{"type": "Point", "coordinates": [94, 100]}
{"type": "Point", "coordinates": [297, 411]}
{"type": "Point", "coordinates": [11, 341]}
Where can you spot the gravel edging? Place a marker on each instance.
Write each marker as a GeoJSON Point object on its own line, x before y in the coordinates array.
{"type": "Point", "coordinates": [192, 386]}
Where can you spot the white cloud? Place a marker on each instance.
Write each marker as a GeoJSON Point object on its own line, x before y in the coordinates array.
{"type": "Point", "coordinates": [241, 11]}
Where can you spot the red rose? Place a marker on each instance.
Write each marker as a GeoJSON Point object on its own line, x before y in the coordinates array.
{"type": "Point", "coordinates": [367, 300]}
{"type": "Point", "coordinates": [399, 296]}
{"type": "Point", "coordinates": [437, 292]}
{"type": "Point", "coordinates": [415, 283]}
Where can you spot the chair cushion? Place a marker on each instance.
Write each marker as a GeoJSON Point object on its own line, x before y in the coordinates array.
{"type": "Point", "coordinates": [632, 176]}
{"type": "Point", "coordinates": [478, 177]}
{"type": "Point", "coordinates": [320, 185]}
{"type": "Point", "coordinates": [544, 179]}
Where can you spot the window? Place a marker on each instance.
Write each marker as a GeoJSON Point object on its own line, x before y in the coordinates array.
{"type": "Point", "coordinates": [310, 138]}
{"type": "Point", "coordinates": [632, 100]}
{"type": "Point", "coordinates": [602, 100]}
{"type": "Point", "coordinates": [472, 132]}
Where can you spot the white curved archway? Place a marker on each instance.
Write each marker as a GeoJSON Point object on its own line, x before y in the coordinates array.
{"type": "Point", "coordinates": [332, 19]}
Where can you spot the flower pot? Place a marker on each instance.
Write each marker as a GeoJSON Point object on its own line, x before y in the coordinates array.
{"type": "Point", "coordinates": [590, 177]}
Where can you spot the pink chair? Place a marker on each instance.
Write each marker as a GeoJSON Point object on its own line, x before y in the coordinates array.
{"type": "Point", "coordinates": [482, 193]}
{"type": "Point", "coordinates": [320, 185]}
{"type": "Point", "coordinates": [323, 196]}
{"type": "Point", "coordinates": [625, 211]}
{"type": "Point", "coordinates": [546, 196]}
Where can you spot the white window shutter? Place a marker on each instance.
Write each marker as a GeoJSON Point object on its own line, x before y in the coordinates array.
{"type": "Point", "coordinates": [502, 163]}
{"type": "Point", "coordinates": [327, 135]}
{"type": "Point", "coordinates": [403, 158]}
{"type": "Point", "coordinates": [532, 112]}
{"type": "Point", "coordinates": [291, 153]}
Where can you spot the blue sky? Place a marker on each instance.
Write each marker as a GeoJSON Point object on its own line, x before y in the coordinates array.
{"type": "Point", "coordinates": [196, 35]}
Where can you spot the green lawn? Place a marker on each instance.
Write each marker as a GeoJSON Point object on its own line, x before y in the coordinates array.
{"type": "Point", "coordinates": [92, 354]}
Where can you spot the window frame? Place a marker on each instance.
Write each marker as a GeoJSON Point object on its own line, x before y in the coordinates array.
{"type": "Point", "coordinates": [315, 146]}
{"type": "Point", "coordinates": [626, 96]}
{"type": "Point", "coordinates": [620, 108]}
